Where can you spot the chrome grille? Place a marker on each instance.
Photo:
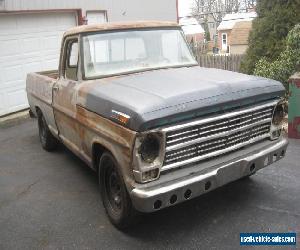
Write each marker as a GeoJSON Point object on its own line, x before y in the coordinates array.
{"type": "Point", "coordinates": [213, 136]}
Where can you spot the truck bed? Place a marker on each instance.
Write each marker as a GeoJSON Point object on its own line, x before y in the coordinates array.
{"type": "Point", "coordinates": [49, 73]}
{"type": "Point", "coordinates": [39, 85]}
{"type": "Point", "coordinates": [39, 88]}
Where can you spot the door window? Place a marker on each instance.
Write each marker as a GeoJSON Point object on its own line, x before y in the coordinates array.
{"type": "Point", "coordinates": [71, 62]}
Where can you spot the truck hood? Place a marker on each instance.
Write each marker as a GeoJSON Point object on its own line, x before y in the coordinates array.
{"type": "Point", "coordinates": [159, 97]}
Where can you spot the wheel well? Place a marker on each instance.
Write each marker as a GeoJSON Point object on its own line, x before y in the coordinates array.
{"type": "Point", "coordinates": [98, 151]}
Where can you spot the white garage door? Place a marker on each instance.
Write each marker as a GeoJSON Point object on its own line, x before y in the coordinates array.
{"type": "Point", "coordinates": [28, 43]}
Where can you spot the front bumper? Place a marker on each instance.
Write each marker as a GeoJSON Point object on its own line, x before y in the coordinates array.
{"type": "Point", "coordinates": [151, 198]}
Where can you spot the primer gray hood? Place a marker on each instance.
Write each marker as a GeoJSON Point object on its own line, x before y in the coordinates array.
{"type": "Point", "coordinates": [159, 97]}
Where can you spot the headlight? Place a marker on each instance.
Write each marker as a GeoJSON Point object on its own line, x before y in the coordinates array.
{"type": "Point", "coordinates": [148, 156]}
{"type": "Point", "coordinates": [278, 114]}
{"type": "Point", "coordinates": [277, 120]}
{"type": "Point", "coordinates": [149, 149]}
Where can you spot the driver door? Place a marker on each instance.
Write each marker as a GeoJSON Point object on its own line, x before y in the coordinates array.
{"type": "Point", "coordinates": [65, 95]}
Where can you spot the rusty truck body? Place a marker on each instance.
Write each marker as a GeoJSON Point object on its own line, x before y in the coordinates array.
{"type": "Point", "coordinates": [130, 100]}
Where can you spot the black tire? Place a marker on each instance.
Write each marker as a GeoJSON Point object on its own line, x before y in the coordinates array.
{"type": "Point", "coordinates": [48, 141]}
{"type": "Point", "coordinates": [247, 177]}
{"type": "Point", "coordinates": [115, 197]}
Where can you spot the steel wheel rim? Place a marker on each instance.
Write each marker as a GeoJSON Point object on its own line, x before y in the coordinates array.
{"type": "Point", "coordinates": [113, 187]}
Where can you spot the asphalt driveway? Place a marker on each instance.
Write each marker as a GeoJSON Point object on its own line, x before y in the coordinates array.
{"type": "Point", "coordinates": [51, 201]}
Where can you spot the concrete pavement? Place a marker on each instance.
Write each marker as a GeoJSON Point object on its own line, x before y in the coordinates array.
{"type": "Point", "coordinates": [51, 201]}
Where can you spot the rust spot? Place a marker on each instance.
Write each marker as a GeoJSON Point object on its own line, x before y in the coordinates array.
{"type": "Point", "coordinates": [294, 128]}
{"type": "Point", "coordinates": [295, 80]}
{"type": "Point", "coordinates": [105, 127]}
{"type": "Point", "coordinates": [116, 138]}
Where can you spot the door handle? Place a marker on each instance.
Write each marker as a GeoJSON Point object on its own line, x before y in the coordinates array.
{"type": "Point", "coordinates": [55, 88]}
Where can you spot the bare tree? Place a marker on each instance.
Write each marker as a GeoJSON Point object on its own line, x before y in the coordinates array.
{"type": "Point", "coordinates": [232, 6]}
{"type": "Point", "coordinates": [218, 8]}
{"type": "Point", "coordinates": [247, 5]}
{"type": "Point", "coordinates": [202, 8]}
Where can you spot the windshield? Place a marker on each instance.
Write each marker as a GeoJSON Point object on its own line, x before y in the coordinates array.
{"type": "Point", "coordinates": [134, 50]}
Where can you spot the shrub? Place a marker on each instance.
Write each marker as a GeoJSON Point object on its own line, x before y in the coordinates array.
{"type": "Point", "coordinates": [268, 36]}
{"type": "Point", "coordinates": [286, 64]}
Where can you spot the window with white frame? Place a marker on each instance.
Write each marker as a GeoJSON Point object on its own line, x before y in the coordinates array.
{"type": "Point", "coordinates": [224, 41]}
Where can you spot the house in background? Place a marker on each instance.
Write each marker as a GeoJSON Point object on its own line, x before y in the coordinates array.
{"type": "Point", "coordinates": [231, 28]}
{"type": "Point", "coordinates": [192, 29]}
{"type": "Point", "coordinates": [239, 37]}
{"type": "Point", "coordinates": [31, 32]}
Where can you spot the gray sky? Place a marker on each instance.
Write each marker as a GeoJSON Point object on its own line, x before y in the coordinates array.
{"type": "Point", "coordinates": [184, 7]}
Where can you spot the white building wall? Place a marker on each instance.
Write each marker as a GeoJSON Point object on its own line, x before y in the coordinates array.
{"type": "Point", "coordinates": [14, 5]}
{"type": "Point", "coordinates": [22, 35]}
{"type": "Point", "coordinates": [117, 10]}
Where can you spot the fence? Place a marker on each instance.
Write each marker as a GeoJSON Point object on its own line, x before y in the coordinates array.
{"type": "Point", "coordinates": [227, 62]}
{"type": "Point", "coordinates": [199, 47]}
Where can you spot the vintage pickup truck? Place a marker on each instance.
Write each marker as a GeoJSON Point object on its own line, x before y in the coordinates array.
{"type": "Point", "coordinates": [130, 100]}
